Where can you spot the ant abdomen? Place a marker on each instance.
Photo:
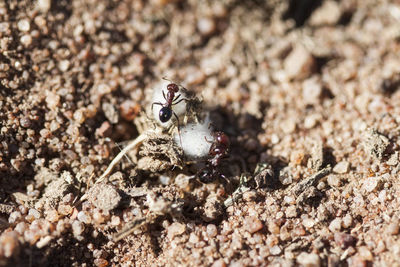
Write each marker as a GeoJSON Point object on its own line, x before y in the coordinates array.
{"type": "Point", "coordinates": [165, 114]}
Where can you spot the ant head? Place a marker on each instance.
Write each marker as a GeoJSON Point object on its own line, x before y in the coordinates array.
{"type": "Point", "coordinates": [173, 87]}
{"type": "Point", "coordinates": [222, 139]}
{"type": "Point", "coordinates": [165, 114]}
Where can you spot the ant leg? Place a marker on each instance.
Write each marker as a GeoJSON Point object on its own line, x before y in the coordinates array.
{"type": "Point", "coordinates": [176, 98]}
{"type": "Point", "coordinates": [155, 103]}
{"type": "Point", "coordinates": [183, 99]}
{"type": "Point", "coordinates": [163, 94]}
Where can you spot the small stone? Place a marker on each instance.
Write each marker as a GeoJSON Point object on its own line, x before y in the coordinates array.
{"type": "Point", "coordinates": [335, 225]}
{"type": "Point", "coordinates": [212, 230]}
{"type": "Point", "coordinates": [375, 143]}
{"type": "Point", "coordinates": [275, 250]}
{"type": "Point", "coordinates": [370, 184]}
{"type": "Point", "coordinates": [44, 241]}
{"type": "Point", "coordinates": [252, 224]}
{"type": "Point", "coordinates": [44, 5]}
{"type": "Point", "coordinates": [23, 25]}
{"type": "Point", "coordinates": [344, 240]}
{"type": "Point", "coordinates": [64, 209]}
{"type": "Point", "coordinates": [84, 217]}
{"type": "Point", "coordinates": [14, 216]}
{"type": "Point", "coordinates": [300, 63]}
{"type": "Point", "coordinates": [308, 259]}
{"type": "Point", "coordinates": [308, 223]}
{"type": "Point", "coordinates": [34, 213]}
{"type": "Point", "coordinates": [327, 14]}
{"type": "Point", "coordinates": [104, 197]}
{"type": "Point", "coordinates": [193, 238]}
{"type": "Point", "coordinates": [100, 262]}
{"type": "Point", "coordinates": [77, 228]}
{"type": "Point", "coordinates": [365, 253]}
{"type": "Point", "coordinates": [63, 65]}
{"type": "Point", "coordinates": [393, 228]}
{"type": "Point", "coordinates": [312, 90]}
{"type": "Point", "coordinates": [206, 26]}
{"type": "Point", "coordinates": [115, 220]}
{"type": "Point", "coordinates": [291, 211]}
{"type": "Point", "coordinates": [26, 40]}
{"type": "Point", "coordinates": [219, 263]}
{"type": "Point", "coordinates": [333, 180]}
{"type": "Point", "coordinates": [9, 243]}
{"type": "Point", "coordinates": [175, 229]}
{"type": "Point", "coordinates": [52, 215]}
{"type": "Point", "coordinates": [341, 167]}
{"type": "Point", "coordinates": [288, 126]}
{"type": "Point", "coordinates": [273, 227]}
{"type": "Point", "coordinates": [347, 221]}
{"type": "Point", "coordinates": [310, 121]}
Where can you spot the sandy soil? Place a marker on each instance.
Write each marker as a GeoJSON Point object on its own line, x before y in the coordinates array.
{"type": "Point", "coordinates": [307, 92]}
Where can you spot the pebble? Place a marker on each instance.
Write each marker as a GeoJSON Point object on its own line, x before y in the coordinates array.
{"type": "Point", "coordinates": [212, 230]}
{"type": "Point", "coordinates": [84, 217]}
{"type": "Point", "coordinates": [64, 209]}
{"type": "Point", "coordinates": [9, 243]}
{"type": "Point", "coordinates": [347, 221]}
{"type": "Point", "coordinates": [370, 184]}
{"type": "Point", "coordinates": [34, 213]}
{"type": "Point", "coordinates": [63, 65]}
{"type": "Point", "coordinates": [14, 216]}
{"type": "Point", "coordinates": [26, 40]}
{"type": "Point", "coordinates": [252, 224]}
{"type": "Point", "coordinates": [333, 180]}
{"type": "Point", "coordinates": [44, 241]}
{"type": "Point", "coordinates": [219, 263]}
{"type": "Point", "coordinates": [288, 126]}
{"type": "Point", "coordinates": [312, 90]}
{"type": "Point", "coordinates": [23, 25]}
{"type": "Point", "coordinates": [206, 26]}
{"type": "Point", "coordinates": [175, 229]}
{"type": "Point", "coordinates": [104, 197]}
{"type": "Point", "coordinates": [310, 121]}
{"type": "Point", "coordinates": [308, 223]}
{"type": "Point", "coordinates": [328, 13]}
{"type": "Point", "coordinates": [300, 63]}
{"type": "Point", "coordinates": [44, 5]}
{"type": "Point", "coordinates": [275, 250]}
{"type": "Point", "coordinates": [291, 211]}
{"type": "Point", "coordinates": [77, 228]}
{"type": "Point", "coordinates": [100, 262]}
{"type": "Point", "coordinates": [308, 259]}
{"type": "Point", "coordinates": [365, 253]}
{"type": "Point", "coordinates": [393, 228]}
{"type": "Point", "coordinates": [344, 240]}
{"type": "Point", "coordinates": [335, 225]}
{"type": "Point", "coordinates": [342, 167]}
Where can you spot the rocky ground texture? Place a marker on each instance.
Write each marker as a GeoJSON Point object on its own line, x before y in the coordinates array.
{"type": "Point", "coordinates": [306, 90]}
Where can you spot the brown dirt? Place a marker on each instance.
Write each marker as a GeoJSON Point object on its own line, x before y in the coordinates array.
{"type": "Point", "coordinates": [306, 90]}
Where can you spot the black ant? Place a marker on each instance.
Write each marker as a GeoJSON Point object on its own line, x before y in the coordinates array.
{"type": "Point", "coordinates": [217, 152]}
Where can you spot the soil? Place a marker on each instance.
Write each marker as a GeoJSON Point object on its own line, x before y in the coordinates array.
{"type": "Point", "coordinates": [307, 91]}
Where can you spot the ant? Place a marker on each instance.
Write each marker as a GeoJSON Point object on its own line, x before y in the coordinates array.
{"type": "Point", "coordinates": [166, 111]}
{"type": "Point", "coordinates": [218, 150]}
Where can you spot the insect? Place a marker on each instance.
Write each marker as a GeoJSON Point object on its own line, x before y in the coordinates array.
{"type": "Point", "coordinates": [171, 99]}
{"type": "Point", "coordinates": [218, 150]}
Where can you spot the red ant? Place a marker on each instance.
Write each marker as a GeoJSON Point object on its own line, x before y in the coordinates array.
{"type": "Point", "coordinates": [166, 111]}
{"type": "Point", "coordinates": [217, 152]}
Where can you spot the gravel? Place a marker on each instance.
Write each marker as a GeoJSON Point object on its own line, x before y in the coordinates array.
{"type": "Point", "coordinates": [310, 92]}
